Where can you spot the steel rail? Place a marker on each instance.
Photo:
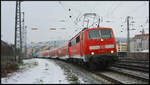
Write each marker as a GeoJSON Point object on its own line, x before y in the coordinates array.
{"type": "Point", "coordinates": [132, 68]}
{"type": "Point", "coordinates": [134, 65]}
{"type": "Point", "coordinates": [139, 77]}
{"type": "Point", "coordinates": [112, 80]}
{"type": "Point", "coordinates": [135, 61]}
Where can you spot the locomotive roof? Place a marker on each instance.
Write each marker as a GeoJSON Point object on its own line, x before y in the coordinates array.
{"type": "Point", "coordinates": [100, 28]}
{"type": "Point", "coordinates": [81, 31]}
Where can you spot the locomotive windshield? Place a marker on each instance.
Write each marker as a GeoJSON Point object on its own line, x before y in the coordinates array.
{"type": "Point", "coordinates": [95, 34]}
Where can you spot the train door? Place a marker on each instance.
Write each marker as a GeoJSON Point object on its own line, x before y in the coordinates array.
{"type": "Point", "coordinates": [81, 44]}
{"type": "Point", "coordinates": [77, 45]}
{"type": "Point", "coordinates": [66, 52]}
{"type": "Point", "coordinates": [69, 45]}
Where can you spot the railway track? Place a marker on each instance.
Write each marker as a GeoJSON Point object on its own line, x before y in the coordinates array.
{"type": "Point", "coordinates": [114, 77]}
{"type": "Point", "coordinates": [110, 76]}
{"type": "Point", "coordinates": [134, 61]}
{"type": "Point", "coordinates": [142, 66]}
{"type": "Point", "coordinates": [118, 75]}
{"type": "Point", "coordinates": [135, 68]}
{"type": "Point", "coordinates": [134, 74]}
{"type": "Point", "coordinates": [127, 72]}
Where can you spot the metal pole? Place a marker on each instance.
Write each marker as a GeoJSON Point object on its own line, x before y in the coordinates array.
{"type": "Point", "coordinates": [23, 35]}
{"type": "Point", "coordinates": [25, 41]}
{"type": "Point", "coordinates": [142, 39]}
{"type": "Point", "coordinates": [18, 36]}
{"type": "Point", "coordinates": [15, 32]}
{"type": "Point", "coordinates": [32, 51]}
{"type": "Point", "coordinates": [55, 44]}
{"type": "Point", "coordinates": [20, 32]}
{"type": "Point", "coordinates": [49, 49]}
{"type": "Point", "coordinates": [87, 23]}
{"type": "Point", "coordinates": [128, 34]}
{"type": "Point", "coordinates": [98, 22]}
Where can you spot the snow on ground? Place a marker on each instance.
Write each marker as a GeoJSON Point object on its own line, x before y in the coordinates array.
{"type": "Point", "coordinates": [36, 71]}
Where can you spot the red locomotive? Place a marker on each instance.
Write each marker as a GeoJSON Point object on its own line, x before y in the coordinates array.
{"type": "Point", "coordinates": [95, 47]}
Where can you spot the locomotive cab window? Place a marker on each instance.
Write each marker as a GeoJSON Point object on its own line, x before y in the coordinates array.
{"type": "Point", "coordinates": [106, 34]}
{"type": "Point", "coordinates": [95, 34]}
{"type": "Point", "coordinates": [73, 42]}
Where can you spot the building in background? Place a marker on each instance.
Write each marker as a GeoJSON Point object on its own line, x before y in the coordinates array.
{"type": "Point", "coordinates": [122, 48]}
{"type": "Point", "coordinates": [139, 43]}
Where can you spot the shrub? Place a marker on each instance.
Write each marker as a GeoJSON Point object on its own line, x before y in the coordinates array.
{"type": "Point", "coordinates": [8, 67]}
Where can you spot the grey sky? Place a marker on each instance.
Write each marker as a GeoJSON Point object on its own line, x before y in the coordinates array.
{"type": "Point", "coordinates": [47, 14]}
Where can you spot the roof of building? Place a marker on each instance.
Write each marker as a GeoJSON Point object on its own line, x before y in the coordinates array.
{"type": "Point", "coordinates": [141, 36]}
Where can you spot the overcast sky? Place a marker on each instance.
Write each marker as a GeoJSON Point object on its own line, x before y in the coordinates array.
{"type": "Point", "coordinates": [48, 14]}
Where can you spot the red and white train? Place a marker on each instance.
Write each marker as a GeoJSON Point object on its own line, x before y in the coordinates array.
{"type": "Point", "coordinates": [95, 47]}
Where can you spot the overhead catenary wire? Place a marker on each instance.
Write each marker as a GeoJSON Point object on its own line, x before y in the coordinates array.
{"type": "Point", "coordinates": [137, 28]}
{"type": "Point", "coordinates": [66, 11]}
{"type": "Point", "coordinates": [137, 8]}
{"type": "Point", "coordinates": [109, 12]}
{"type": "Point", "coordinates": [70, 17]}
{"type": "Point", "coordinates": [117, 6]}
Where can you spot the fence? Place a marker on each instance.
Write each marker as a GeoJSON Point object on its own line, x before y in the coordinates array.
{"type": "Point", "coordinates": [8, 61]}
{"type": "Point", "coordinates": [139, 56]}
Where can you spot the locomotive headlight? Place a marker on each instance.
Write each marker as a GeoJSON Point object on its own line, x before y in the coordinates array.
{"type": "Point", "coordinates": [112, 51]}
{"type": "Point", "coordinates": [109, 46]}
{"type": "Point", "coordinates": [102, 39]}
{"type": "Point", "coordinates": [92, 53]}
{"type": "Point", "coordinates": [94, 47]}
